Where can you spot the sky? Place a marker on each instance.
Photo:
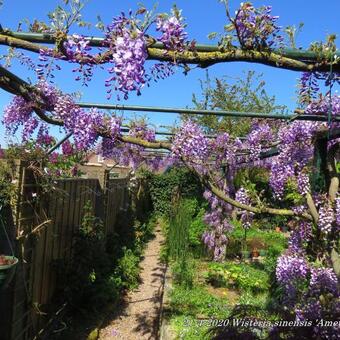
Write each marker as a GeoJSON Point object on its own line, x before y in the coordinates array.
{"type": "Point", "coordinates": [202, 17]}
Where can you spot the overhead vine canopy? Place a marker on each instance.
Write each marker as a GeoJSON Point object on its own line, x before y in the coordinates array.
{"type": "Point", "coordinates": [251, 35]}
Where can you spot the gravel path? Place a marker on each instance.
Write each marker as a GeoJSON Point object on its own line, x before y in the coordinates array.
{"type": "Point", "coordinates": [139, 317]}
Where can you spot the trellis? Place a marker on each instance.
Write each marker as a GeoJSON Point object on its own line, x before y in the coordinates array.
{"type": "Point", "coordinates": [204, 56]}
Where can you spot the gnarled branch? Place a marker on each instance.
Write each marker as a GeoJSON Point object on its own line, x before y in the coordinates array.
{"type": "Point", "coordinates": [200, 58]}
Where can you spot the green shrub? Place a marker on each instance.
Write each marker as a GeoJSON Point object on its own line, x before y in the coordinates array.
{"type": "Point", "coordinates": [178, 230]}
{"type": "Point", "coordinates": [162, 187]}
{"type": "Point", "coordinates": [126, 274]}
{"type": "Point", "coordinates": [196, 229]}
{"type": "Point", "coordinates": [101, 267]}
{"type": "Point", "coordinates": [183, 272]}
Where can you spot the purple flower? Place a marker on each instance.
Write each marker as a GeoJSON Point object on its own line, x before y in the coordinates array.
{"type": "Point", "coordinates": [190, 143]}
{"type": "Point", "coordinates": [290, 271]}
{"type": "Point", "coordinates": [256, 27]}
{"type": "Point", "coordinates": [326, 218]}
{"type": "Point", "coordinates": [128, 46]}
{"type": "Point", "coordinates": [172, 28]}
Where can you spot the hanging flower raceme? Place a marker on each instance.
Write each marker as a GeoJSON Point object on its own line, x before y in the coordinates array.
{"type": "Point", "coordinates": [308, 87]}
{"type": "Point", "coordinates": [77, 50]}
{"type": "Point", "coordinates": [323, 283]}
{"type": "Point", "coordinates": [190, 143]}
{"type": "Point", "coordinates": [326, 105]}
{"type": "Point", "coordinates": [296, 151]}
{"type": "Point", "coordinates": [217, 219]}
{"type": "Point", "coordinates": [259, 139]}
{"type": "Point", "coordinates": [173, 30]}
{"type": "Point", "coordinates": [16, 113]}
{"type": "Point", "coordinates": [326, 218]}
{"type": "Point", "coordinates": [323, 280]}
{"type": "Point", "coordinates": [224, 150]}
{"type": "Point", "coordinates": [43, 136]}
{"type": "Point", "coordinates": [85, 128]}
{"type": "Point", "coordinates": [67, 148]}
{"type": "Point", "coordinates": [291, 270]}
{"type": "Point", "coordinates": [337, 213]}
{"type": "Point", "coordinates": [242, 196]}
{"type": "Point", "coordinates": [256, 27]}
{"type": "Point", "coordinates": [301, 234]}
{"type": "Point", "coordinates": [129, 154]}
{"type": "Point", "coordinates": [108, 146]}
{"type": "Point", "coordinates": [129, 51]}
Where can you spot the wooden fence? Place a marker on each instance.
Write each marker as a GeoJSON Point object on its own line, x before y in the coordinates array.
{"type": "Point", "coordinates": [45, 226]}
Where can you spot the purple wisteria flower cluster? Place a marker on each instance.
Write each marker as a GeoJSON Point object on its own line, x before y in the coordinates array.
{"type": "Point", "coordinates": [128, 45]}
{"type": "Point", "coordinates": [300, 235]}
{"type": "Point", "coordinates": [77, 50]}
{"type": "Point", "coordinates": [296, 151]}
{"type": "Point", "coordinates": [323, 285]}
{"type": "Point", "coordinates": [259, 139]}
{"type": "Point", "coordinates": [173, 31]}
{"type": "Point", "coordinates": [126, 40]}
{"type": "Point", "coordinates": [256, 28]}
{"type": "Point", "coordinates": [129, 154]}
{"type": "Point", "coordinates": [308, 87]}
{"type": "Point", "coordinates": [17, 113]}
{"type": "Point", "coordinates": [191, 144]}
{"type": "Point", "coordinates": [242, 196]}
{"type": "Point", "coordinates": [291, 270]}
{"type": "Point", "coordinates": [217, 219]}
{"type": "Point", "coordinates": [327, 218]}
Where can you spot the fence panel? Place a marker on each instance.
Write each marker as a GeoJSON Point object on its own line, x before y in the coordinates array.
{"type": "Point", "coordinates": [59, 213]}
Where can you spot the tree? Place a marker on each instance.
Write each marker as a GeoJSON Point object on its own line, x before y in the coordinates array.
{"type": "Point", "coordinates": [246, 94]}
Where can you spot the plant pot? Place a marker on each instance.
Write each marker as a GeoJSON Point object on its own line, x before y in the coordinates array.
{"type": "Point", "coordinates": [255, 253]}
{"type": "Point", "coordinates": [7, 269]}
{"type": "Point", "coordinates": [245, 254]}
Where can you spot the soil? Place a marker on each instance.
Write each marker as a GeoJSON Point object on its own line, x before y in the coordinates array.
{"type": "Point", "coordinates": [139, 314]}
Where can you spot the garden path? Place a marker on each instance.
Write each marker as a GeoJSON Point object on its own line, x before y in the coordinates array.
{"type": "Point", "coordinates": [139, 319]}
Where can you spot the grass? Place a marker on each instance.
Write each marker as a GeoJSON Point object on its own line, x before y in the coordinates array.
{"type": "Point", "coordinates": [190, 307]}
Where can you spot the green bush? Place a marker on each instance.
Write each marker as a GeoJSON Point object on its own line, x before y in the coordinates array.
{"type": "Point", "coordinates": [196, 229]}
{"type": "Point", "coordinates": [126, 273]}
{"type": "Point", "coordinates": [163, 186]}
{"type": "Point", "coordinates": [183, 272]}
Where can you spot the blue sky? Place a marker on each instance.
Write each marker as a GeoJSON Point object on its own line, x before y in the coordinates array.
{"type": "Point", "coordinates": [319, 17]}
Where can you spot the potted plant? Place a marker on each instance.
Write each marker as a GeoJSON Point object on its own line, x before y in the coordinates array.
{"type": "Point", "coordinates": [255, 253]}
{"type": "Point", "coordinates": [7, 266]}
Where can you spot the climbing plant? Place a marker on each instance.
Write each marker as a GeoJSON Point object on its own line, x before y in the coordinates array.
{"type": "Point", "coordinates": [309, 271]}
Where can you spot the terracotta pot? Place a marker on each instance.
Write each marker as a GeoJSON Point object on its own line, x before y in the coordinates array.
{"type": "Point", "coordinates": [7, 269]}
{"type": "Point", "coordinates": [255, 253]}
